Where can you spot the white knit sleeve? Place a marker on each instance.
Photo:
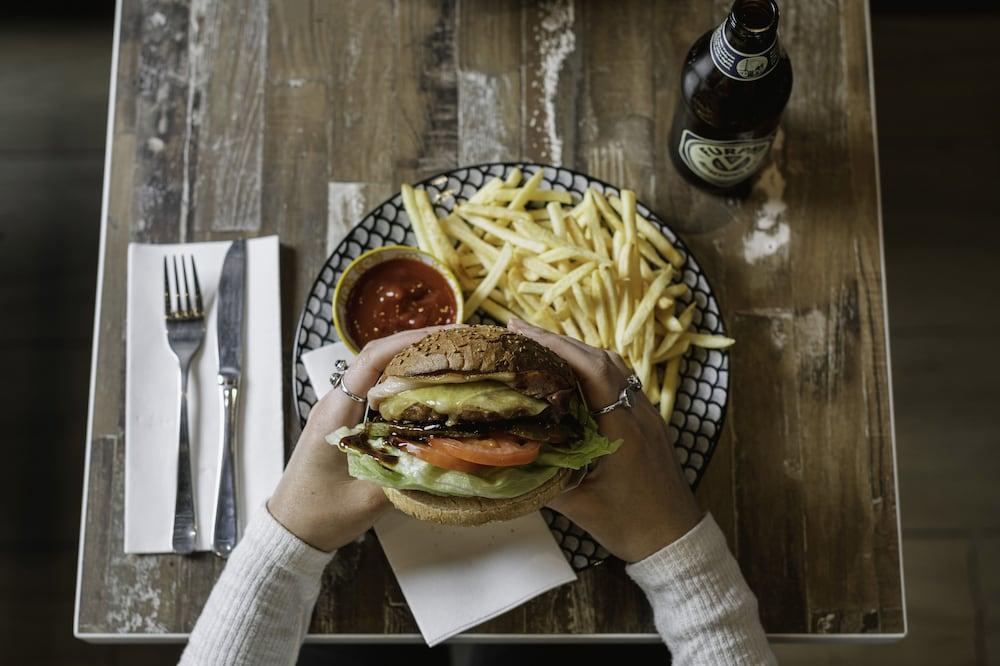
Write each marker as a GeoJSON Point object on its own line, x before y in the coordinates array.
{"type": "Point", "coordinates": [702, 606]}
{"type": "Point", "coordinates": [259, 609]}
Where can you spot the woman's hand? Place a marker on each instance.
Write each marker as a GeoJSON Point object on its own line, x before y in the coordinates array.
{"type": "Point", "coordinates": [316, 499]}
{"type": "Point", "coordinates": [636, 501]}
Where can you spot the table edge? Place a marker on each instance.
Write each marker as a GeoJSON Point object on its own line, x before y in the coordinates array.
{"type": "Point", "coordinates": [95, 343]}
{"type": "Point", "coordinates": [885, 316]}
{"type": "Point", "coordinates": [463, 638]}
{"type": "Point", "coordinates": [468, 638]}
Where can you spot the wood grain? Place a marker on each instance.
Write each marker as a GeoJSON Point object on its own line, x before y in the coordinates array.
{"type": "Point", "coordinates": [299, 116]}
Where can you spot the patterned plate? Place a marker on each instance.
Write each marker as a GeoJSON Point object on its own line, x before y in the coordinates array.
{"type": "Point", "coordinates": [700, 409]}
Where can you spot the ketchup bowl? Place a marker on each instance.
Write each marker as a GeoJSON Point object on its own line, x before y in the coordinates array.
{"type": "Point", "coordinates": [391, 289]}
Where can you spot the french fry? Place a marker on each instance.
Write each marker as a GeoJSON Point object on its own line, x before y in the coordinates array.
{"type": "Point", "coordinates": [561, 309]}
{"type": "Point", "coordinates": [668, 391]}
{"type": "Point", "coordinates": [565, 283]}
{"type": "Point", "coordinates": [487, 193]}
{"type": "Point", "coordinates": [513, 178]}
{"type": "Point", "coordinates": [527, 287]}
{"type": "Point", "coordinates": [709, 341]}
{"type": "Point", "coordinates": [555, 212]}
{"type": "Point", "coordinates": [564, 252]}
{"type": "Point", "coordinates": [492, 278]}
{"type": "Point", "coordinates": [524, 194]}
{"type": "Point", "coordinates": [600, 309]}
{"type": "Point", "coordinates": [677, 290]}
{"type": "Point", "coordinates": [653, 235]}
{"type": "Point", "coordinates": [584, 323]}
{"type": "Point", "coordinates": [505, 195]}
{"type": "Point", "coordinates": [495, 310]}
{"type": "Point", "coordinates": [444, 250]}
{"type": "Point", "coordinates": [649, 379]}
{"type": "Point", "coordinates": [458, 230]}
{"type": "Point", "coordinates": [468, 210]}
{"type": "Point", "coordinates": [644, 309]}
{"type": "Point", "coordinates": [598, 236]}
{"type": "Point", "coordinates": [540, 269]}
{"type": "Point", "coordinates": [630, 254]}
{"type": "Point", "coordinates": [571, 330]}
{"type": "Point", "coordinates": [507, 235]}
{"type": "Point", "coordinates": [537, 233]}
{"type": "Point", "coordinates": [413, 212]}
{"type": "Point", "coordinates": [671, 338]}
{"type": "Point", "coordinates": [607, 212]}
{"type": "Point", "coordinates": [575, 232]}
{"type": "Point", "coordinates": [678, 349]}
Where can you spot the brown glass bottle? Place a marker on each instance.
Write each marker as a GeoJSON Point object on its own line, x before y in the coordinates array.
{"type": "Point", "coordinates": [734, 85]}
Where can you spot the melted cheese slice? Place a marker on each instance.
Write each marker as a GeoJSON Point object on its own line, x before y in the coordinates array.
{"type": "Point", "coordinates": [449, 400]}
{"type": "Point", "coordinates": [395, 385]}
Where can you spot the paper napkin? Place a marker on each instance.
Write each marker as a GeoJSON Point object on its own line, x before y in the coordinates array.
{"type": "Point", "coordinates": [152, 383]}
{"type": "Point", "coordinates": [455, 578]}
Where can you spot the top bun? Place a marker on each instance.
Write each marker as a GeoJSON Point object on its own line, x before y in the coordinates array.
{"type": "Point", "coordinates": [483, 349]}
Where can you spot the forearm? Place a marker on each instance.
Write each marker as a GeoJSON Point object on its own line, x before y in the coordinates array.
{"type": "Point", "coordinates": [703, 608]}
{"type": "Point", "coordinates": [259, 609]}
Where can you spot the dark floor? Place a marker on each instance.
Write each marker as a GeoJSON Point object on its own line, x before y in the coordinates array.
{"type": "Point", "coordinates": [937, 91]}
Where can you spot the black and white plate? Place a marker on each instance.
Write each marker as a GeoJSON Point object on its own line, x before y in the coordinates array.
{"type": "Point", "coordinates": [700, 409]}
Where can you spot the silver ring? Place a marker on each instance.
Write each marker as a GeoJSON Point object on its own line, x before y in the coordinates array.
{"type": "Point", "coordinates": [337, 380]}
{"type": "Point", "coordinates": [632, 386]}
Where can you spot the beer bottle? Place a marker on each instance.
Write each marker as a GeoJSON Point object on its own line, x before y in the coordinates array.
{"type": "Point", "coordinates": [734, 86]}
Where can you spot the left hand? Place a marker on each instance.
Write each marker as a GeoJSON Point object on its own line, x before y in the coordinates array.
{"type": "Point", "coordinates": [316, 499]}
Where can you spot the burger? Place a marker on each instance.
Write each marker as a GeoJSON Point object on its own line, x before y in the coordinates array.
{"type": "Point", "coordinates": [471, 425]}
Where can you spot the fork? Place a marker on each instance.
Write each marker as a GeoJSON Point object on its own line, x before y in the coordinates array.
{"type": "Point", "coordinates": [185, 332]}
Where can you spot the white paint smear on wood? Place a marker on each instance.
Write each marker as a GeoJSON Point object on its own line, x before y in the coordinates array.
{"type": "Point", "coordinates": [136, 597]}
{"type": "Point", "coordinates": [770, 233]}
{"type": "Point", "coordinates": [480, 122]}
{"type": "Point", "coordinates": [555, 41]}
{"type": "Point", "coordinates": [811, 334]}
{"type": "Point", "coordinates": [345, 208]}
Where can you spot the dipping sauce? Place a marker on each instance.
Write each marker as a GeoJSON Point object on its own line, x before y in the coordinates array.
{"type": "Point", "coordinates": [398, 295]}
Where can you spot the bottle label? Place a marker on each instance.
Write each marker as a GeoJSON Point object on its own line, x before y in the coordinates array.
{"type": "Point", "coordinates": [738, 65]}
{"type": "Point", "coordinates": [723, 163]}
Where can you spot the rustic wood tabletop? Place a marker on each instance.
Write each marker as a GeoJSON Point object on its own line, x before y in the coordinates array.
{"type": "Point", "coordinates": [250, 117]}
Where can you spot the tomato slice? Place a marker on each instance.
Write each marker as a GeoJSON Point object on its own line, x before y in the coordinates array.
{"type": "Point", "coordinates": [500, 449]}
{"type": "Point", "coordinates": [438, 457]}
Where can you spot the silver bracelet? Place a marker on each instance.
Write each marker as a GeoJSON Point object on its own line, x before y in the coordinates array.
{"type": "Point", "coordinates": [632, 386]}
{"type": "Point", "coordinates": [337, 381]}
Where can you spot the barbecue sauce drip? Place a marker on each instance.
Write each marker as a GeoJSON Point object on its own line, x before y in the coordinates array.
{"type": "Point", "coordinates": [398, 295]}
{"type": "Point", "coordinates": [360, 443]}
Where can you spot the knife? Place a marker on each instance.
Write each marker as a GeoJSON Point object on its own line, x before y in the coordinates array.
{"type": "Point", "coordinates": [230, 338]}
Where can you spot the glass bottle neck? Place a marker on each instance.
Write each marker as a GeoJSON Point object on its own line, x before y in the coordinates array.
{"type": "Point", "coordinates": [752, 25]}
{"type": "Point", "coordinates": [745, 46]}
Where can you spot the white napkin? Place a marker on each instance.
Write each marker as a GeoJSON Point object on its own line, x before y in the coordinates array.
{"type": "Point", "coordinates": [455, 578]}
{"type": "Point", "coordinates": [152, 383]}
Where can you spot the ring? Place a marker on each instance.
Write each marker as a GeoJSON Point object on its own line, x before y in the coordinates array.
{"type": "Point", "coordinates": [337, 380]}
{"type": "Point", "coordinates": [632, 386]}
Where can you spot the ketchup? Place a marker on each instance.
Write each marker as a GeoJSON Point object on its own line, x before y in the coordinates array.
{"type": "Point", "coordinates": [398, 295]}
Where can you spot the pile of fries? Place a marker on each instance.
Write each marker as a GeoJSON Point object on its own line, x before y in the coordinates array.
{"type": "Point", "coordinates": [594, 270]}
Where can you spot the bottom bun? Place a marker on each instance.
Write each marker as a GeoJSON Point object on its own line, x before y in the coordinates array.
{"type": "Point", "coordinates": [475, 510]}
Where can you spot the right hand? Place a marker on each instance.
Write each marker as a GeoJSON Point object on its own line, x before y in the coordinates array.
{"type": "Point", "coordinates": [636, 501]}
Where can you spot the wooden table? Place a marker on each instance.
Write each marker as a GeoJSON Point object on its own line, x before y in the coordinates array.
{"type": "Point", "coordinates": [247, 117]}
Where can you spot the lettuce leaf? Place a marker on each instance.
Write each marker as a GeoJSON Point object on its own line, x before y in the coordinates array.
{"type": "Point", "coordinates": [411, 473]}
{"type": "Point", "coordinates": [591, 446]}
